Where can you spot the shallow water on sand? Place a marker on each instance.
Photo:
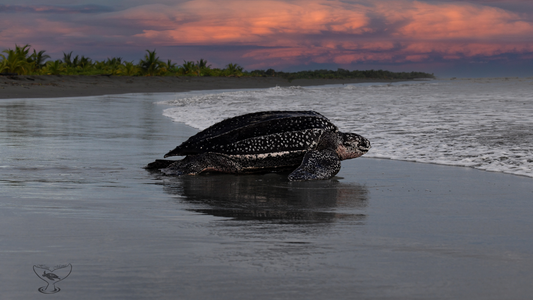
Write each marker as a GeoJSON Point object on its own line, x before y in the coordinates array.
{"type": "Point", "coordinates": [73, 191]}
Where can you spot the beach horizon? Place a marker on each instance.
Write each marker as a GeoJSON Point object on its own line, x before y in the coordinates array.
{"type": "Point", "coordinates": [56, 86]}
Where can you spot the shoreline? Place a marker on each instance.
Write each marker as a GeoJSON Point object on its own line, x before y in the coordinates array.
{"type": "Point", "coordinates": [55, 86]}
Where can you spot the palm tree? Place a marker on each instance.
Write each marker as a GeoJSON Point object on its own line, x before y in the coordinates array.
{"type": "Point", "coordinates": [151, 65]}
{"type": "Point", "coordinates": [115, 61]}
{"type": "Point", "coordinates": [3, 64]}
{"type": "Point", "coordinates": [233, 70]}
{"type": "Point", "coordinates": [17, 60]}
{"type": "Point", "coordinates": [203, 68]}
{"type": "Point", "coordinates": [170, 67]}
{"type": "Point", "coordinates": [67, 59]}
{"type": "Point", "coordinates": [22, 52]}
{"type": "Point", "coordinates": [129, 69]}
{"type": "Point", "coordinates": [113, 65]}
{"type": "Point", "coordinates": [189, 68]}
{"type": "Point", "coordinates": [38, 59]}
{"type": "Point", "coordinates": [84, 62]}
{"type": "Point", "coordinates": [202, 63]}
{"type": "Point", "coordinates": [54, 68]}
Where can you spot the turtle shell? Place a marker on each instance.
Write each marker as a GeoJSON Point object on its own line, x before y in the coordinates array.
{"type": "Point", "coordinates": [259, 133]}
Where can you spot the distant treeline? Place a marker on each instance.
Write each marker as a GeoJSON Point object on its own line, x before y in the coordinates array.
{"type": "Point", "coordinates": [23, 62]}
{"type": "Point", "coordinates": [342, 74]}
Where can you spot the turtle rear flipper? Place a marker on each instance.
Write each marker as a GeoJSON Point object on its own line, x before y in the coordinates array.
{"type": "Point", "coordinates": [205, 162]}
{"type": "Point", "coordinates": [317, 165]}
{"type": "Point", "coordinates": [159, 164]}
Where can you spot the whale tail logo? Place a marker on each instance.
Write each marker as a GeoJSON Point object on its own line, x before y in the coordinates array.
{"type": "Point", "coordinates": [51, 275]}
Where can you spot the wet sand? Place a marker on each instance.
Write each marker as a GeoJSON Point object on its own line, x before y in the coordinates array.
{"type": "Point", "coordinates": [76, 86]}
{"type": "Point", "coordinates": [74, 192]}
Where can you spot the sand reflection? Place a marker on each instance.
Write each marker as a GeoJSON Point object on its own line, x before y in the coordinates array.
{"type": "Point", "coordinates": [270, 197]}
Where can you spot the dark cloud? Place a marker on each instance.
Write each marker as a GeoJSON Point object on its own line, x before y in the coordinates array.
{"type": "Point", "coordinates": [55, 9]}
{"type": "Point", "coordinates": [518, 6]}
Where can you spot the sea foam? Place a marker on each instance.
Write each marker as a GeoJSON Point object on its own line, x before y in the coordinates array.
{"type": "Point", "coordinates": [481, 123]}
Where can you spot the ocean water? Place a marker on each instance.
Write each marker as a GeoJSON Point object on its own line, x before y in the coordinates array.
{"type": "Point", "coordinates": [73, 191]}
{"type": "Point", "coordinates": [486, 124]}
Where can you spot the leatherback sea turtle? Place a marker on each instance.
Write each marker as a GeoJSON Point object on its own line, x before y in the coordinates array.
{"type": "Point", "coordinates": [304, 142]}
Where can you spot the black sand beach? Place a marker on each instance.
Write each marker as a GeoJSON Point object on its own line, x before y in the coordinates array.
{"type": "Point", "coordinates": [52, 86]}
{"type": "Point", "coordinates": [74, 192]}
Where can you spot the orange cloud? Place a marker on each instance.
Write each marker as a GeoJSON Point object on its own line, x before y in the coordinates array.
{"type": "Point", "coordinates": [340, 32]}
{"type": "Point", "coordinates": [285, 32]}
{"type": "Point", "coordinates": [246, 22]}
{"type": "Point", "coordinates": [463, 21]}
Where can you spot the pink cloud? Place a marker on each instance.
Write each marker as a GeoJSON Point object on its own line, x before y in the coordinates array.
{"type": "Point", "coordinates": [245, 22]}
{"type": "Point", "coordinates": [325, 30]}
{"type": "Point", "coordinates": [293, 32]}
{"type": "Point", "coordinates": [463, 21]}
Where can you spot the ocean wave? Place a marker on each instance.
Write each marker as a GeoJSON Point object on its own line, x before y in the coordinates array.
{"type": "Point", "coordinates": [484, 124]}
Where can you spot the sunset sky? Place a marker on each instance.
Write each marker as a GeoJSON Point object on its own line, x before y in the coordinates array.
{"type": "Point", "coordinates": [476, 38]}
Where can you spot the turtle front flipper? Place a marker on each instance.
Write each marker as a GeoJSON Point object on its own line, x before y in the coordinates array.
{"type": "Point", "coordinates": [317, 165]}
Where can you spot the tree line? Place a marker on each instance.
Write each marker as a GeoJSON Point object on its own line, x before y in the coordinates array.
{"type": "Point", "coordinates": [21, 61]}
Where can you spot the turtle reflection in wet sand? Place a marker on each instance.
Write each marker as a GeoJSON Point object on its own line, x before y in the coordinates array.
{"type": "Point", "coordinates": [304, 142]}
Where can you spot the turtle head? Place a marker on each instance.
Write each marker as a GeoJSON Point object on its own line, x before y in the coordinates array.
{"type": "Point", "coordinates": [352, 145]}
